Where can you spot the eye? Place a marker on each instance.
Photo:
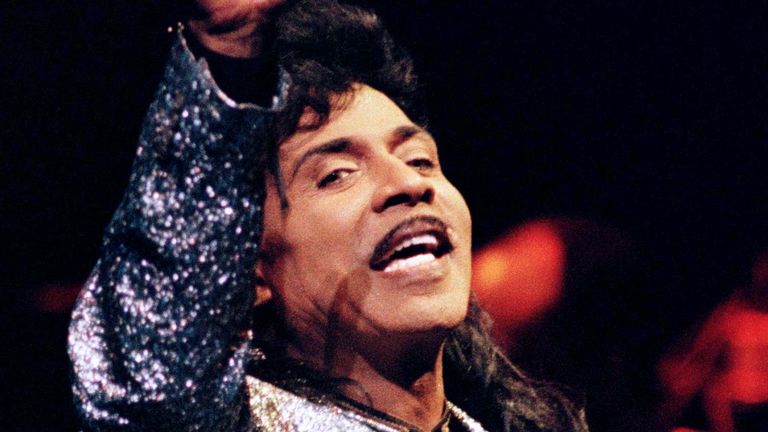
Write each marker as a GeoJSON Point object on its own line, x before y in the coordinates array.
{"type": "Point", "coordinates": [333, 177]}
{"type": "Point", "coordinates": [421, 164]}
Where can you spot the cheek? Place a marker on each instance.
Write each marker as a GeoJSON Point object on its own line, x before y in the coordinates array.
{"type": "Point", "coordinates": [319, 244]}
{"type": "Point", "coordinates": [461, 221]}
{"type": "Point", "coordinates": [316, 230]}
{"type": "Point", "coordinates": [461, 218]}
{"type": "Point", "coordinates": [329, 226]}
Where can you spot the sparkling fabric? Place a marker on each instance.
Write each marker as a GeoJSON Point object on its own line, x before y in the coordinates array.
{"type": "Point", "coordinates": [160, 337]}
{"type": "Point", "coordinates": [276, 409]}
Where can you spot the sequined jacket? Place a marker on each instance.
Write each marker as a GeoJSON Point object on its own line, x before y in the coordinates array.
{"type": "Point", "coordinates": [160, 339]}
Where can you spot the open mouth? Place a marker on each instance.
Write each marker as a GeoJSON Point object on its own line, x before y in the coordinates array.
{"type": "Point", "coordinates": [412, 243]}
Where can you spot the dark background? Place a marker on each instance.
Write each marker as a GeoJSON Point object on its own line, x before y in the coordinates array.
{"type": "Point", "coordinates": [649, 117]}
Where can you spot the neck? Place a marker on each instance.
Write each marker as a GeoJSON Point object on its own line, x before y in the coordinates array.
{"type": "Point", "coordinates": [401, 378]}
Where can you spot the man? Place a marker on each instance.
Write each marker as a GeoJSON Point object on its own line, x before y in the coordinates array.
{"type": "Point", "coordinates": [362, 276]}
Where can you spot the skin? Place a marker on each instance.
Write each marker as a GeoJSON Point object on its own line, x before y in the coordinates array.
{"type": "Point", "coordinates": [384, 331]}
{"type": "Point", "coordinates": [232, 27]}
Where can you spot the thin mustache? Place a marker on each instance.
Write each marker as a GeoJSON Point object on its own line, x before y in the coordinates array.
{"type": "Point", "coordinates": [386, 242]}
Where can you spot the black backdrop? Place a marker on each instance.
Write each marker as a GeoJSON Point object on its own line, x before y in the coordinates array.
{"type": "Point", "coordinates": [650, 117]}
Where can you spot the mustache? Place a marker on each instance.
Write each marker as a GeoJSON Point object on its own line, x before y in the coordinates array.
{"type": "Point", "coordinates": [429, 223]}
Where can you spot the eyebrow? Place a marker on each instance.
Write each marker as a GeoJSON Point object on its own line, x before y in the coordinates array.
{"type": "Point", "coordinates": [404, 133]}
{"type": "Point", "coordinates": [338, 145]}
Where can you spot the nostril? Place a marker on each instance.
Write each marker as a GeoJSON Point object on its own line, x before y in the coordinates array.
{"type": "Point", "coordinates": [409, 199]}
{"type": "Point", "coordinates": [398, 199]}
{"type": "Point", "coordinates": [428, 196]}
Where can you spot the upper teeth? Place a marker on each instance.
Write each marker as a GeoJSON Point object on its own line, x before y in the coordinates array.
{"type": "Point", "coordinates": [424, 239]}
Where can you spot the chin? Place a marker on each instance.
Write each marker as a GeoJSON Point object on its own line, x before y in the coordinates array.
{"type": "Point", "coordinates": [419, 315]}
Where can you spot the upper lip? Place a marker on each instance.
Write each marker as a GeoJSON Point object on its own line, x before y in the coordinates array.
{"type": "Point", "coordinates": [408, 229]}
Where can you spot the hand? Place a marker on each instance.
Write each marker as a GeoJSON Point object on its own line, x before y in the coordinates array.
{"type": "Point", "coordinates": [232, 27]}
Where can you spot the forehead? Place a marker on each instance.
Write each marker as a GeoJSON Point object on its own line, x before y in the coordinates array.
{"type": "Point", "coordinates": [366, 114]}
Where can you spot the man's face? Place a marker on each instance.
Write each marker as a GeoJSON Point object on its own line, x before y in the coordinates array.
{"type": "Point", "coordinates": [375, 240]}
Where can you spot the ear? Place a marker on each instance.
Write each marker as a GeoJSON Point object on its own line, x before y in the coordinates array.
{"type": "Point", "coordinates": [263, 289]}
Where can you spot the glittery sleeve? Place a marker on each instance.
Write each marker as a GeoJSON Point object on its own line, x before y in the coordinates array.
{"type": "Point", "coordinates": [157, 338]}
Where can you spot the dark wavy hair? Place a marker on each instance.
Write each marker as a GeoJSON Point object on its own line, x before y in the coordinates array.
{"type": "Point", "coordinates": [327, 47]}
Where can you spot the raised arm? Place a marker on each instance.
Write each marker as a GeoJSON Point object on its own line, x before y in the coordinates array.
{"type": "Point", "coordinates": [158, 338]}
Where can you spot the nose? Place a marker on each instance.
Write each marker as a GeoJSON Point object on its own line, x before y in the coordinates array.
{"type": "Point", "coordinates": [401, 184]}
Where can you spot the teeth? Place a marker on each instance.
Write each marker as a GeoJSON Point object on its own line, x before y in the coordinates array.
{"type": "Point", "coordinates": [410, 262]}
{"type": "Point", "coordinates": [419, 240]}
